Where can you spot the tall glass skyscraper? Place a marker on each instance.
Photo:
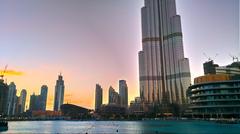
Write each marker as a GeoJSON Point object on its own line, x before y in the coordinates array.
{"type": "Point", "coordinates": [123, 93]}
{"type": "Point", "coordinates": [98, 97]}
{"type": "Point", "coordinates": [113, 97]}
{"type": "Point", "coordinates": [38, 102]}
{"type": "Point", "coordinates": [164, 71]}
{"type": "Point", "coordinates": [12, 99]}
{"type": "Point", "coordinates": [34, 104]}
{"type": "Point", "coordinates": [22, 101]}
{"type": "Point", "coordinates": [59, 93]}
{"type": "Point", "coordinates": [43, 97]}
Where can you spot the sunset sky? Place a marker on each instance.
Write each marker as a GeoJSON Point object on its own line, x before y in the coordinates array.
{"type": "Point", "coordinates": [97, 41]}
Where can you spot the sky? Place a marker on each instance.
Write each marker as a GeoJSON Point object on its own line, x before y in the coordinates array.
{"type": "Point", "coordinates": [97, 41]}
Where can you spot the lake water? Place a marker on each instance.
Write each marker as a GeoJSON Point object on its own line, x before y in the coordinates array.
{"type": "Point", "coordinates": [160, 127]}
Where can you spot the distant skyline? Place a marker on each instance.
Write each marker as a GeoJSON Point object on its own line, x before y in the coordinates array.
{"type": "Point", "coordinates": [93, 41]}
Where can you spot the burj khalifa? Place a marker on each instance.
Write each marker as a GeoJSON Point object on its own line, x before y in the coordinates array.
{"type": "Point", "coordinates": [164, 72]}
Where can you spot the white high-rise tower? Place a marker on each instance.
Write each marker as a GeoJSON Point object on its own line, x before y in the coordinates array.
{"type": "Point", "coordinates": [59, 93]}
{"type": "Point", "coordinates": [12, 99]}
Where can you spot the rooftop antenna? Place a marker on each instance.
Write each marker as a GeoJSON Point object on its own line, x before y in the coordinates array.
{"type": "Point", "coordinates": [60, 73]}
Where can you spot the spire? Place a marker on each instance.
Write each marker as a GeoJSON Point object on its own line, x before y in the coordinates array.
{"type": "Point", "coordinates": [60, 77]}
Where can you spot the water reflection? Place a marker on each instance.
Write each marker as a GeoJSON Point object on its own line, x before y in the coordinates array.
{"type": "Point", "coordinates": [136, 127]}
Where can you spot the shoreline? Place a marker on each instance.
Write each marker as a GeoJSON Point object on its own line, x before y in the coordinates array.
{"type": "Point", "coordinates": [222, 121]}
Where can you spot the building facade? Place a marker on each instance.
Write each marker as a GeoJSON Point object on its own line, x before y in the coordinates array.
{"type": "Point", "coordinates": [38, 102]}
{"type": "Point", "coordinates": [22, 101]}
{"type": "Point", "coordinates": [43, 97]}
{"type": "Point", "coordinates": [12, 99]}
{"type": "Point", "coordinates": [18, 106]}
{"type": "Point", "coordinates": [3, 98]}
{"type": "Point", "coordinates": [114, 97]}
{"type": "Point", "coordinates": [211, 68]}
{"type": "Point", "coordinates": [216, 95]}
{"type": "Point", "coordinates": [163, 70]}
{"type": "Point", "coordinates": [98, 97]}
{"type": "Point", "coordinates": [112, 111]}
{"type": "Point", "coordinates": [136, 106]}
{"type": "Point", "coordinates": [59, 93]}
{"type": "Point", "coordinates": [34, 102]}
{"type": "Point", "coordinates": [123, 93]}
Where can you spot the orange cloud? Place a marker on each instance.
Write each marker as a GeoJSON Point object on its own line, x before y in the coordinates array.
{"type": "Point", "coordinates": [11, 73]}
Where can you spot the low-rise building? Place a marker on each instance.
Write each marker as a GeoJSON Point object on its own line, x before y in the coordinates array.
{"type": "Point", "coordinates": [75, 112]}
{"type": "Point", "coordinates": [217, 94]}
{"type": "Point", "coordinates": [136, 106]}
{"type": "Point", "coordinates": [112, 111]}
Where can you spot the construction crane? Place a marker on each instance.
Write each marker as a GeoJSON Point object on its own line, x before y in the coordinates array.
{"type": "Point", "coordinates": [234, 58]}
{"type": "Point", "coordinates": [3, 72]}
{"type": "Point", "coordinates": [209, 58]}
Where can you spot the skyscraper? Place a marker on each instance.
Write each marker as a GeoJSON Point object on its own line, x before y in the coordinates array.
{"type": "Point", "coordinates": [22, 100]}
{"type": "Point", "coordinates": [59, 93]}
{"type": "Point", "coordinates": [18, 106]}
{"type": "Point", "coordinates": [3, 97]}
{"type": "Point", "coordinates": [164, 71]}
{"type": "Point", "coordinates": [98, 97]}
{"type": "Point", "coordinates": [12, 99]}
{"type": "Point", "coordinates": [38, 102]}
{"type": "Point", "coordinates": [43, 97]}
{"type": "Point", "coordinates": [114, 97]}
{"type": "Point", "coordinates": [123, 92]}
{"type": "Point", "coordinates": [34, 102]}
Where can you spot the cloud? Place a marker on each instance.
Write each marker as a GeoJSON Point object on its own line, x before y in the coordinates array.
{"type": "Point", "coordinates": [11, 73]}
